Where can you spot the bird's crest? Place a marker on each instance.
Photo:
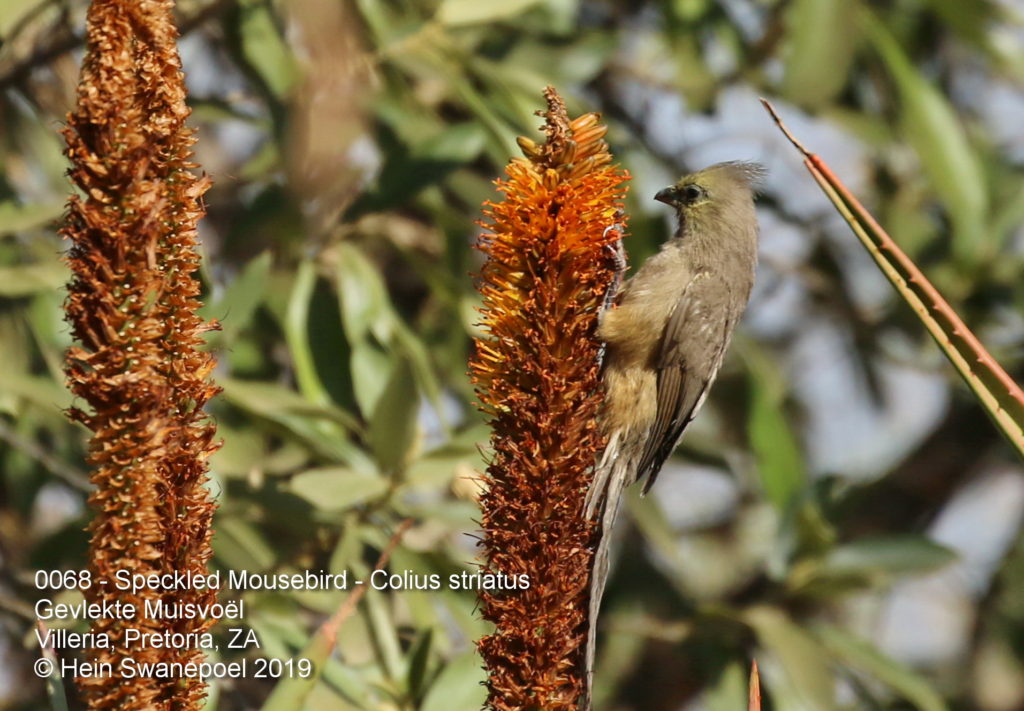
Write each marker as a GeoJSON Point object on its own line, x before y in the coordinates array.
{"type": "Point", "coordinates": [748, 172]}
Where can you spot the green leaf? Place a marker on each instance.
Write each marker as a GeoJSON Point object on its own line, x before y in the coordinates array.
{"type": "Point", "coordinates": [337, 488]}
{"type": "Point", "coordinates": [54, 680]}
{"type": "Point", "coordinates": [296, 327]}
{"type": "Point", "coordinates": [243, 451]}
{"type": "Point", "coordinates": [362, 297]}
{"type": "Point", "coordinates": [45, 320]}
{"type": "Point", "coordinates": [578, 63]}
{"type": "Point", "coordinates": [265, 49]}
{"type": "Point", "coordinates": [291, 693]}
{"type": "Point", "coordinates": [367, 311]}
{"type": "Point", "coordinates": [970, 19]}
{"type": "Point", "coordinates": [384, 631]}
{"type": "Point", "coordinates": [649, 517]}
{"type": "Point", "coordinates": [42, 392]}
{"type": "Point", "coordinates": [419, 660]}
{"type": "Point", "coordinates": [28, 279]}
{"type": "Point", "coordinates": [509, 90]}
{"type": "Point", "coordinates": [241, 546]}
{"type": "Point", "coordinates": [236, 307]}
{"type": "Point", "coordinates": [323, 697]}
{"type": "Point", "coordinates": [415, 350]}
{"type": "Point", "coordinates": [729, 691]}
{"type": "Point", "coordinates": [353, 686]}
{"type": "Point", "coordinates": [459, 686]}
{"type": "Point", "coordinates": [864, 563]}
{"type": "Point", "coordinates": [620, 655]}
{"type": "Point", "coordinates": [775, 447]}
{"type": "Point", "coordinates": [456, 144]}
{"type": "Point", "coordinates": [12, 13]}
{"type": "Point", "coordinates": [933, 129]}
{"type": "Point", "coordinates": [821, 37]}
{"type": "Point", "coordinates": [859, 654]}
{"type": "Point", "coordinates": [501, 143]}
{"type": "Point", "coordinates": [371, 372]}
{"type": "Point", "coordinates": [273, 400]}
{"type": "Point", "coordinates": [802, 657]}
{"type": "Point", "coordinates": [393, 424]}
{"type": "Point", "coordinates": [455, 13]}
{"type": "Point", "coordinates": [889, 554]}
{"type": "Point", "coordinates": [325, 428]}
{"type": "Point", "coordinates": [17, 218]}
{"type": "Point", "coordinates": [438, 468]}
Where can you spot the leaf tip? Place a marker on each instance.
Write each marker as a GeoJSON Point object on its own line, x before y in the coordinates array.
{"type": "Point", "coordinates": [754, 703]}
{"type": "Point", "coordinates": [782, 127]}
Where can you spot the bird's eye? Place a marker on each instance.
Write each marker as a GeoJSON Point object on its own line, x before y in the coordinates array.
{"type": "Point", "coordinates": [692, 193]}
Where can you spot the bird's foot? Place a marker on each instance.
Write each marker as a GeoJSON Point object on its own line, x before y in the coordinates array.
{"type": "Point", "coordinates": [618, 254]}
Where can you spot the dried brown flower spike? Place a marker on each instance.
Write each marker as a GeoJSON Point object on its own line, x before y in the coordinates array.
{"type": "Point", "coordinates": [132, 308]}
{"type": "Point", "coordinates": [548, 268]}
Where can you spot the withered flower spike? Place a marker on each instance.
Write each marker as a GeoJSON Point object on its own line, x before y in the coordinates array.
{"type": "Point", "coordinates": [547, 270]}
{"type": "Point", "coordinates": [132, 306]}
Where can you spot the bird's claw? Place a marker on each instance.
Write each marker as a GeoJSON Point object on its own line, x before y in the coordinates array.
{"type": "Point", "coordinates": [618, 254]}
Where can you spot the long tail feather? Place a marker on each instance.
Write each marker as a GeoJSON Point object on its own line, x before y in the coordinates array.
{"type": "Point", "coordinates": [610, 479]}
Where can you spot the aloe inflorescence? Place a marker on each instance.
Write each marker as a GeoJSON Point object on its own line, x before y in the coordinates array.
{"type": "Point", "coordinates": [549, 263]}
{"type": "Point", "coordinates": [132, 306]}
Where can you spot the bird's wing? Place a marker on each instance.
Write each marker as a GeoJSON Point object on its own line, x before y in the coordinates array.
{"type": "Point", "coordinates": [684, 374]}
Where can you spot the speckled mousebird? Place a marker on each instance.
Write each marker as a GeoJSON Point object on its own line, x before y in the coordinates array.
{"type": "Point", "coordinates": [666, 337]}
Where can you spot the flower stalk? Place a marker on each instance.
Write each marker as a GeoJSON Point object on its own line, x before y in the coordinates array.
{"type": "Point", "coordinates": [549, 263]}
{"type": "Point", "coordinates": [132, 305]}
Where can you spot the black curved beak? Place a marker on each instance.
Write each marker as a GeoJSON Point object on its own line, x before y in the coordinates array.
{"type": "Point", "coordinates": [669, 195]}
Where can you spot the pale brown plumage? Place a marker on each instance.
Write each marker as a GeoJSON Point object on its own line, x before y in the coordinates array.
{"type": "Point", "coordinates": [666, 339]}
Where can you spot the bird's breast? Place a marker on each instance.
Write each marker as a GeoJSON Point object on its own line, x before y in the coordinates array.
{"type": "Point", "coordinates": [633, 329]}
{"type": "Point", "coordinates": [633, 332]}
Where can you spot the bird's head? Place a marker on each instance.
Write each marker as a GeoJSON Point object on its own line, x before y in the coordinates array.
{"type": "Point", "coordinates": [713, 194]}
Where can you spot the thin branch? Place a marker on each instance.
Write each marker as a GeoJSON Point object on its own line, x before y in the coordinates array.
{"type": "Point", "coordinates": [785, 130]}
{"type": "Point", "coordinates": [330, 628]}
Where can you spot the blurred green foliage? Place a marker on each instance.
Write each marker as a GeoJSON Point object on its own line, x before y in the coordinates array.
{"type": "Point", "coordinates": [351, 145]}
